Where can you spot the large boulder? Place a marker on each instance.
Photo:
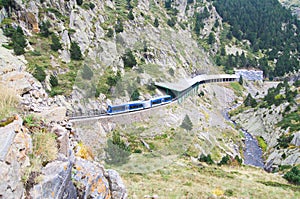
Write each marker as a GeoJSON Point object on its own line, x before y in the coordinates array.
{"type": "Point", "coordinates": [56, 181]}
{"type": "Point", "coordinates": [14, 148]}
{"type": "Point", "coordinates": [89, 178]}
{"type": "Point", "coordinates": [117, 187]}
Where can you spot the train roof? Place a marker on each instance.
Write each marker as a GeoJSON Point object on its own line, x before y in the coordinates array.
{"type": "Point", "coordinates": [184, 84]}
{"type": "Point", "coordinates": [132, 102]}
{"type": "Point", "coordinates": [159, 97]}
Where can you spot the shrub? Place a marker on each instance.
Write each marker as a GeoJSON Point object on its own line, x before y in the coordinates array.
{"type": "Point", "coordinates": [284, 140]}
{"type": "Point", "coordinates": [171, 22]}
{"type": "Point", "coordinates": [87, 73]}
{"type": "Point", "coordinates": [119, 26]}
{"type": "Point", "coordinates": [207, 159]}
{"type": "Point", "coordinates": [156, 23]}
{"type": "Point", "coordinates": [135, 95]}
{"type": "Point", "coordinates": [293, 176]}
{"type": "Point", "coordinates": [262, 143]}
{"type": "Point", "coordinates": [187, 123]}
{"type": "Point", "coordinates": [84, 151]}
{"type": "Point", "coordinates": [225, 160]}
{"type": "Point", "coordinates": [241, 81]}
{"type": "Point", "coordinates": [250, 101]}
{"type": "Point", "coordinates": [75, 51]}
{"type": "Point", "coordinates": [129, 59]}
{"type": "Point", "coordinates": [53, 81]}
{"type": "Point", "coordinates": [39, 73]}
{"type": "Point", "coordinates": [44, 28]}
{"type": "Point", "coordinates": [79, 2]}
{"type": "Point", "coordinates": [110, 33]}
{"type": "Point", "coordinates": [56, 45]}
{"type": "Point", "coordinates": [130, 15]}
{"type": "Point", "coordinates": [117, 152]}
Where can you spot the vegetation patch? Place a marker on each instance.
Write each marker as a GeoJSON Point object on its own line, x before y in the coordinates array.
{"type": "Point", "coordinates": [262, 143]}
{"type": "Point", "coordinates": [281, 185]}
{"type": "Point", "coordinates": [8, 101]}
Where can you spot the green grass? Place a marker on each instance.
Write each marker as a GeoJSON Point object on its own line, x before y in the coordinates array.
{"type": "Point", "coordinates": [237, 88]}
{"type": "Point", "coordinates": [262, 143]}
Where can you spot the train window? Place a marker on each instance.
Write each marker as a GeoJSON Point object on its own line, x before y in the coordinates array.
{"type": "Point", "coordinates": [135, 106]}
{"type": "Point", "coordinates": [118, 108]}
{"type": "Point", "coordinates": [158, 101]}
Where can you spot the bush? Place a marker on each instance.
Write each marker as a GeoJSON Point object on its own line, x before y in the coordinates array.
{"type": "Point", "coordinates": [18, 39]}
{"type": "Point", "coordinates": [225, 160]}
{"type": "Point", "coordinates": [129, 59]}
{"type": "Point", "coordinates": [156, 23]}
{"type": "Point", "coordinates": [75, 51]}
{"type": "Point", "coordinates": [262, 143]}
{"type": "Point", "coordinates": [117, 152]}
{"type": "Point", "coordinates": [241, 80]}
{"type": "Point", "coordinates": [119, 26]}
{"type": "Point", "coordinates": [53, 81]}
{"type": "Point", "coordinates": [206, 159]}
{"type": "Point", "coordinates": [293, 176]}
{"type": "Point", "coordinates": [171, 22]}
{"type": "Point", "coordinates": [44, 28]}
{"type": "Point", "coordinates": [135, 95]}
{"type": "Point", "coordinates": [284, 140]}
{"type": "Point", "coordinates": [79, 2]}
{"type": "Point", "coordinates": [250, 101]}
{"type": "Point", "coordinates": [130, 15]}
{"type": "Point", "coordinates": [110, 33]}
{"type": "Point", "coordinates": [187, 123]}
{"type": "Point", "coordinates": [56, 45]}
{"type": "Point", "coordinates": [39, 73]}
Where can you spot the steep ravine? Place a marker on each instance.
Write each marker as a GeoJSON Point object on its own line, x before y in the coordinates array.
{"type": "Point", "coordinates": [252, 152]}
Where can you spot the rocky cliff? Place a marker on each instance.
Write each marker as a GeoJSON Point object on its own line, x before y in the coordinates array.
{"type": "Point", "coordinates": [274, 125]}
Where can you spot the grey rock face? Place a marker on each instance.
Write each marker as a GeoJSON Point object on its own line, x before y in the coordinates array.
{"type": "Point", "coordinates": [296, 139]}
{"type": "Point", "coordinates": [117, 187]}
{"type": "Point", "coordinates": [56, 182]}
{"type": "Point", "coordinates": [14, 147]}
{"type": "Point", "coordinates": [90, 180]}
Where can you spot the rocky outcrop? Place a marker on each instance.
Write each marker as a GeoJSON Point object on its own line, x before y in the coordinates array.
{"type": "Point", "coordinates": [92, 181]}
{"type": "Point", "coordinates": [14, 148]}
{"type": "Point", "coordinates": [118, 190]}
{"type": "Point", "coordinates": [56, 181]}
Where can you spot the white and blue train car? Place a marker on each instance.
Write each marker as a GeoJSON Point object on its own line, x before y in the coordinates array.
{"type": "Point", "coordinates": [160, 100]}
{"type": "Point", "coordinates": [131, 106]}
{"type": "Point", "coordinates": [138, 105]}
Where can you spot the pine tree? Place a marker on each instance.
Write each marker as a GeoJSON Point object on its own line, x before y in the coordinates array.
{"type": "Point", "coordinates": [129, 59]}
{"type": "Point", "coordinates": [44, 28]}
{"type": "Point", "coordinates": [241, 81]}
{"type": "Point", "coordinates": [130, 15]}
{"type": "Point", "coordinates": [187, 123]}
{"type": "Point", "coordinates": [156, 23]}
{"type": "Point", "coordinates": [119, 26]}
{"type": "Point", "coordinates": [117, 152]}
{"type": "Point", "coordinates": [53, 81]}
{"type": "Point", "coordinates": [56, 45]}
{"type": "Point", "coordinates": [75, 51]}
{"type": "Point", "coordinates": [250, 101]}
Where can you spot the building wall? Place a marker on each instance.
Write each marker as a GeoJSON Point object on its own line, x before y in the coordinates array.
{"type": "Point", "coordinates": [250, 74]}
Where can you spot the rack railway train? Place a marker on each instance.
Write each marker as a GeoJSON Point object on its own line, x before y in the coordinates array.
{"type": "Point", "coordinates": [138, 105]}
